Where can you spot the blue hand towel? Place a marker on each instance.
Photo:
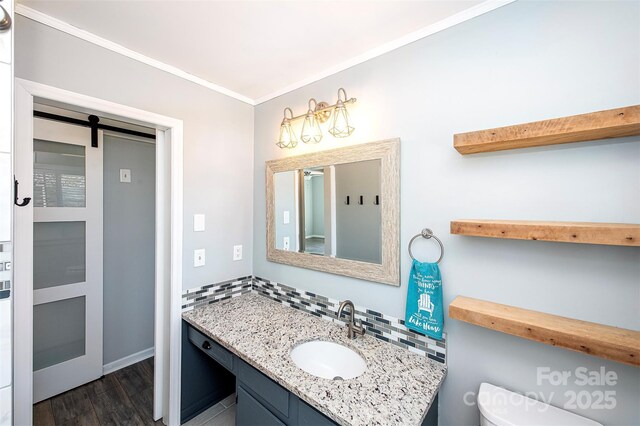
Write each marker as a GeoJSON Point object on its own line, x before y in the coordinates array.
{"type": "Point", "coordinates": [425, 313]}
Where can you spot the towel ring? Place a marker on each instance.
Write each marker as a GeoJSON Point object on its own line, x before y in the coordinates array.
{"type": "Point", "coordinates": [427, 233]}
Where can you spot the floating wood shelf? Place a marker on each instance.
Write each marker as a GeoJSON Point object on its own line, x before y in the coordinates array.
{"type": "Point", "coordinates": [612, 234]}
{"type": "Point", "coordinates": [612, 123]}
{"type": "Point", "coordinates": [617, 344]}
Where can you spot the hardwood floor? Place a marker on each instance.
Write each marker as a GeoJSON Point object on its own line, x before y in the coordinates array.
{"type": "Point", "coordinates": [124, 397]}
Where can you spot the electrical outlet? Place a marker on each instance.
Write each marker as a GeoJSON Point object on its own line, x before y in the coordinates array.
{"type": "Point", "coordinates": [286, 219]}
{"type": "Point", "coordinates": [125, 175]}
{"type": "Point", "coordinates": [285, 243]}
{"type": "Point", "coordinates": [198, 258]}
{"type": "Point", "coordinates": [237, 252]}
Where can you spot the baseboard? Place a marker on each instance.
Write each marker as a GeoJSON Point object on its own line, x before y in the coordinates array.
{"type": "Point", "coordinates": [127, 360]}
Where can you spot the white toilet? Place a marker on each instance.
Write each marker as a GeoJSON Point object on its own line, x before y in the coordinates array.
{"type": "Point", "coordinates": [500, 407]}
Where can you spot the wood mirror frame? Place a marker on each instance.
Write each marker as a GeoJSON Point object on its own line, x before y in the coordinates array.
{"type": "Point", "coordinates": [387, 272]}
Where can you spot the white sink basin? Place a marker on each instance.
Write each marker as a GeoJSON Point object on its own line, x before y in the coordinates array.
{"type": "Point", "coordinates": [328, 360]}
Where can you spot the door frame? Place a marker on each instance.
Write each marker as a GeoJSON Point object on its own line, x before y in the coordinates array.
{"type": "Point", "coordinates": [168, 244]}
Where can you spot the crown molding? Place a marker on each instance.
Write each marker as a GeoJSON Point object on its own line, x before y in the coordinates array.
{"type": "Point", "coordinates": [65, 27]}
{"type": "Point", "coordinates": [458, 18]}
{"type": "Point", "coordinates": [449, 22]}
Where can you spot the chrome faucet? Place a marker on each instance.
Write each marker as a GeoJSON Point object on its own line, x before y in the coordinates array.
{"type": "Point", "coordinates": [352, 328]}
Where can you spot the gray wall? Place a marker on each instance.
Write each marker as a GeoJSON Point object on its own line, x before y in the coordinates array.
{"type": "Point", "coordinates": [523, 62]}
{"type": "Point", "coordinates": [358, 227]}
{"type": "Point", "coordinates": [129, 251]}
{"type": "Point", "coordinates": [218, 137]}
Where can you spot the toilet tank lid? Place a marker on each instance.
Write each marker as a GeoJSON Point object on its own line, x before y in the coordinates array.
{"type": "Point", "coordinates": [506, 408]}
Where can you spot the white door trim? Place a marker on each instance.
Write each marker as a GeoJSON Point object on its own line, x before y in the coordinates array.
{"type": "Point", "coordinates": [169, 234]}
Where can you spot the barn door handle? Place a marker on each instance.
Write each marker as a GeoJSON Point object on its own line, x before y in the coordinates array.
{"type": "Point", "coordinates": [24, 201]}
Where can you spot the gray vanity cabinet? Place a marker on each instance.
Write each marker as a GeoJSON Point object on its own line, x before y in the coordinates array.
{"type": "Point", "coordinates": [211, 348]}
{"type": "Point", "coordinates": [260, 400]}
{"type": "Point", "coordinates": [204, 380]}
{"type": "Point", "coordinates": [250, 412]}
{"type": "Point", "coordinates": [271, 395]}
{"type": "Point", "coordinates": [270, 403]}
{"type": "Point", "coordinates": [308, 416]}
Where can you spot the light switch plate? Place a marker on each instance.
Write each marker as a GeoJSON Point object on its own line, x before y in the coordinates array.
{"type": "Point", "coordinates": [237, 252]}
{"type": "Point", "coordinates": [198, 222]}
{"type": "Point", "coordinates": [286, 241]}
{"type": "Point", "coordinates": [125, 175]}
{"type": "Point", "coordinates": [198, 258]}
{"type": "Point", "coordinates": [286, 219]}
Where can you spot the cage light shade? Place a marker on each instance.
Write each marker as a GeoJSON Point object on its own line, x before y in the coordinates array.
{"type": "Point", "coordinates": [311, 132]}
{"type": "Point", "coordinates": [287, 137]}
{"type": "Point", "coordinates": [340, 127]}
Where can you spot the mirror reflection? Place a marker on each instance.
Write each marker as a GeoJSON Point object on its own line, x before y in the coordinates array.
{"type": "Point", "coordinates": [332, 210]}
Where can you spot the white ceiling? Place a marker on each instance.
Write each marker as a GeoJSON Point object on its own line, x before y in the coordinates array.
{"type": "Point", "coordinates": [258, 49]}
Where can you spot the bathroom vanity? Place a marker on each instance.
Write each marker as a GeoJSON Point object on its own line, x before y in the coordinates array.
{"type": "Point", "coordinates": [251, 337]}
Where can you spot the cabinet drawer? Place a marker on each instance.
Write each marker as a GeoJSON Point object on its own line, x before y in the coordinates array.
{"type": "Point", "coordinates": [211, 348]}
{"type": "Point", "coordinates": [265, 388]}
{"type": "Point", "coordinates": [250, 412]}
{"type": "Point", "coordinates": [308, 416]}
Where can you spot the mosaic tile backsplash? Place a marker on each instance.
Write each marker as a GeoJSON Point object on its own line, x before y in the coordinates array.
{"type": "Point", "coordinates": [211, 293]}
{"type": "Point", "coordinates": [381, 326]}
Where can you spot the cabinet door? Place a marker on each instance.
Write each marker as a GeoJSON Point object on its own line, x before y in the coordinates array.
{"type": "Point", "coordinates": [308, 416]}
{"type": "Point", "coordinates": [250, 412]}
{"type": "Point", "coordinates": [268, 392]}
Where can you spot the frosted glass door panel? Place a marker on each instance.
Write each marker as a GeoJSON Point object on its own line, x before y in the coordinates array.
{"type": "Point", "coordinates": [59, 254]}
{"type": "Point", "coordinates": [58, 332]}
{"type": "Point", "coordinates": [59, 178]}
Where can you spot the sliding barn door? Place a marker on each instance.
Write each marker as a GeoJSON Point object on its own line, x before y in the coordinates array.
{"type": "Point", "coordinates": [67, 257]}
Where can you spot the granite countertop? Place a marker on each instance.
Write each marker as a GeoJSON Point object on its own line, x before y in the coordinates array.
{"type": "Point", "coordinates": [397, 388]}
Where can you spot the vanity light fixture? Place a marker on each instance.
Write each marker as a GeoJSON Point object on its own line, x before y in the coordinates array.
{"type": "Point", "coordinates": [287, 138]}
{"type": "Point", "coordinates": [318, 113]}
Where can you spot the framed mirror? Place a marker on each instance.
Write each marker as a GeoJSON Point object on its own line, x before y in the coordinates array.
{"type": "Point", "coordinates": [337, 211]}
